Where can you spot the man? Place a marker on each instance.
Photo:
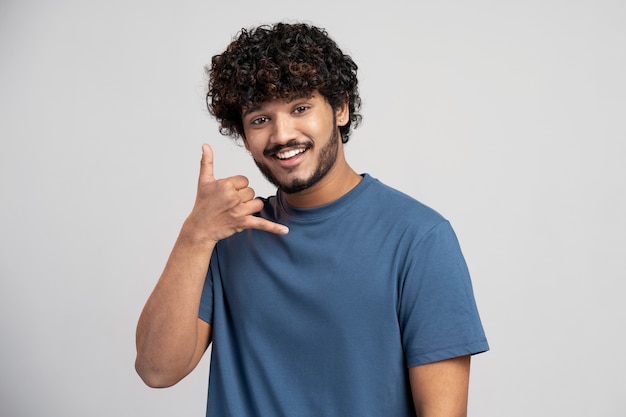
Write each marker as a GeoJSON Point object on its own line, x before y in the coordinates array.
{"type": "Point", "coordinates": [338, 296]}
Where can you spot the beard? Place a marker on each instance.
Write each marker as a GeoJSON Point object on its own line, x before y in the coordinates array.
{"type": "Point", "coordinates": [327, 158]}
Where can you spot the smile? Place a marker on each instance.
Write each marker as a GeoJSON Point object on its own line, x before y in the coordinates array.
{"type": "Point", "coordinates": [290, 153]}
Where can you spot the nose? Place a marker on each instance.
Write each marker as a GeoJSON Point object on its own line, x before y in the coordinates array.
{"type": "Point", "coordinates": [283, 129]}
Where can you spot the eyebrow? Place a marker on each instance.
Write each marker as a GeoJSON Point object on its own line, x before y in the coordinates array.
{"type": "Point", "coordinates": [252, 108]}
{"type": "Point", "coordinates": [258, 106]}
{"type": "Point", "coordinates": [249, 110]}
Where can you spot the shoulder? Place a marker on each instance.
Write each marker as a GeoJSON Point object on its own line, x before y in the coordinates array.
{"type": "Point", "coordinates": [399, 205]}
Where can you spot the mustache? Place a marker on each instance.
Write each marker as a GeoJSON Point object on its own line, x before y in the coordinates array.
{"type": "Point", "coordinates": [294, 143]}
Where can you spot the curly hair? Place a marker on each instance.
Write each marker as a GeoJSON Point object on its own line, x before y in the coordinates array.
{"type": "Point", "coordinates": [281, 61]}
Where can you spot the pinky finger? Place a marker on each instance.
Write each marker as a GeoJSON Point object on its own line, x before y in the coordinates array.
{"type": "Point", "coordinates": [267, 226]}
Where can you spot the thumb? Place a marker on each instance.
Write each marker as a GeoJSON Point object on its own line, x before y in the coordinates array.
{"type": "Point", "coordinates": [206, 164]}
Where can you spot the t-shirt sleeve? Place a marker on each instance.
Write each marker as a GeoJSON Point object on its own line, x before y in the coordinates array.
{"type": "Point", "coordinates": [438, 314]}
{"type": "Point", "coordinates": [206, 301]}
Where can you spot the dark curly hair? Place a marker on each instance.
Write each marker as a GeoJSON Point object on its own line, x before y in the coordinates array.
{"type": "Point", "coordinates": [281, 61]}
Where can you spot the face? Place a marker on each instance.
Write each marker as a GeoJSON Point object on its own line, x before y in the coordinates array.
{"type": "Point", "coordinates": [294, 143]}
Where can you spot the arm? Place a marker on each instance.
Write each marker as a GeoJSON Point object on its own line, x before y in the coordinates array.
{"type": "Point", "coordinates": [440, 389]}
{"type": "Point", "coordinates": [171, 339]}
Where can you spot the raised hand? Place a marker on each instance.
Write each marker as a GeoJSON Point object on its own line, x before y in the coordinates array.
{"type": "Point", "coordinates": [226, 206]}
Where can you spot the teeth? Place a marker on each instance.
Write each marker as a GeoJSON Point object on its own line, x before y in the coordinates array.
{"type": "Point", "coordinates": [289, 154]}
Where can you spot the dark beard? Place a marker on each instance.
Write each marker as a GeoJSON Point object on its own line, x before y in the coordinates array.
{"type": "Point", "coordinates": [327, 158]}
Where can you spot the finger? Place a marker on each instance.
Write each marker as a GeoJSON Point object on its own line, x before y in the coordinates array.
{"type": "Point", "coordinates": [206, 165]}
{"type": "Point", "coordinates": [250, 221]}
{"type": "Point", "coordinates": [238, 181]}
{"type": "Point", "coordinates": [259, 223]}
{"type": "Point", "coordinates": [246, 194]}
{"type": "Point", "coordinates": [252, 206]}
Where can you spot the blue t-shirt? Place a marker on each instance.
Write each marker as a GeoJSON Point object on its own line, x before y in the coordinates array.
{"type": "Point", "coordinates": [325, 321]}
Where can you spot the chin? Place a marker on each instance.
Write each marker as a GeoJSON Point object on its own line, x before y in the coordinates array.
{"type": "Point", "coordinates": [296, 185]}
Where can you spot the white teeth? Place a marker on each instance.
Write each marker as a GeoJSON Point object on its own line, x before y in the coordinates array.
{"type": "Point", "coordinates": [289, 154]}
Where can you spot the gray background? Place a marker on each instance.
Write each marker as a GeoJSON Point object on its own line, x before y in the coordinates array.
{"type": "Point", "coordinates": [507, 117]}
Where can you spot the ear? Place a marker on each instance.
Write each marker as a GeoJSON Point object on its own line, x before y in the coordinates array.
{"type": "Point", "coordinates": [342, 114]}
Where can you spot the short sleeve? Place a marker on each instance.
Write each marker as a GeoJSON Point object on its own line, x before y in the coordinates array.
{"type": "Point", "coordinates": [206, 301]}
{"type": "Point", "coordinates": [438, 314]}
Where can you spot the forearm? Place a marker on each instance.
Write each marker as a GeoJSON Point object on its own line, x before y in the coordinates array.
{"type": "Point", "coordinates": [167, 331]}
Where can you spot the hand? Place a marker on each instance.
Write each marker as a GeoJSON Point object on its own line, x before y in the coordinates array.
{"type": "Point", "coordinates": [226, 206]}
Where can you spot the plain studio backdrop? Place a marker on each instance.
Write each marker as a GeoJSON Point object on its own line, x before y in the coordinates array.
{"type": "Point", "coordinates": [509, 118]}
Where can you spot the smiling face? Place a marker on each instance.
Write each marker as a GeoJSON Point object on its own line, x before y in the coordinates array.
{"type": "Point", "coordinates": [295, 143]}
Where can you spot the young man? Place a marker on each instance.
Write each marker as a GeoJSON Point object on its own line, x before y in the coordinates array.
{"type": "Point", "coordinates": [338, 296]}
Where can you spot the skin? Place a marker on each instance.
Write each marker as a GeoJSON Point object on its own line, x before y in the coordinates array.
{"type": "Point", "coordinates": [440, 389]}
{"type": "Point", "coordinates": [307, 121]}
{"type": "Point", "coordinates": [171, 339]}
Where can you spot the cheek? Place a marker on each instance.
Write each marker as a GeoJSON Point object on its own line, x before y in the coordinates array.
{"type": "Point", "coordinates": [319, 127]}
{"type": "Point", "coordinates": [252, 143]}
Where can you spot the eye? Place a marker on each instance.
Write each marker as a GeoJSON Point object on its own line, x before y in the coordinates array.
{"type": "Point", "coordinates": [258, 121]}
{"type": "Point", "coordinates": [300, 109]}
